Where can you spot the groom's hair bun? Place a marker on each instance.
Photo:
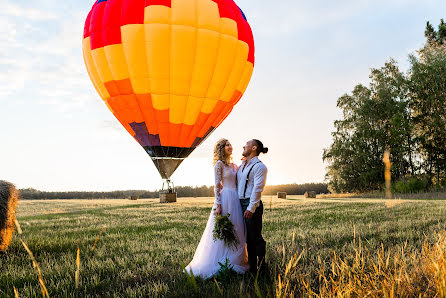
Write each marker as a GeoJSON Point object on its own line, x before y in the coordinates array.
{"type": "Point", "coordinates": [260, 147]}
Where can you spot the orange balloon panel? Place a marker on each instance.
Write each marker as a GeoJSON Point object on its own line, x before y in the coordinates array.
{"type": "Point", "coordinates": [169, 70]}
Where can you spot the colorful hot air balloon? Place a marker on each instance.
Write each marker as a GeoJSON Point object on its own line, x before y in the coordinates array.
{"type": "Point", "coordinates": [169, 70]}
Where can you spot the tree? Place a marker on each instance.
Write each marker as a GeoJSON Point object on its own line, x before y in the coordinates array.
{"type": "Point", "coordinates": [428, 103]}
{"type": "Point", "coordinates": [374, 118]}
{"type": "Point", "coordinates": [435, 37]}
{"type": "Point", "coordinates": [405, 113]}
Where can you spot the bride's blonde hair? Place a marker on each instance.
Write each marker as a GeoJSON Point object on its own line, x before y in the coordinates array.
{"type": "Point", "coordinates": [219, 152]}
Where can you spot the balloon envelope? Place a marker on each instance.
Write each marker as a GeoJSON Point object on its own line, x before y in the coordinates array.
{"type": "Point", "coordinates": [169, 70]}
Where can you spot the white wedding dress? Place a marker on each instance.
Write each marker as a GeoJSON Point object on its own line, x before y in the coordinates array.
{"type": "Point", "coordinates": [209, 252]}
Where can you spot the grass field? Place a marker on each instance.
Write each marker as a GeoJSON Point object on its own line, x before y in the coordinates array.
{"type": "Point", "coordinates": [145, 244]}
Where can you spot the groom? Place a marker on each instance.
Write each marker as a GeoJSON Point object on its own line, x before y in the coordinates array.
{"type": "Point", "coordinates": [251, 178]}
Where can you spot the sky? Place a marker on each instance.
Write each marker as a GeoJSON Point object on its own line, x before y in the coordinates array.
{"type": "Point", "coordinates": [56, 134]}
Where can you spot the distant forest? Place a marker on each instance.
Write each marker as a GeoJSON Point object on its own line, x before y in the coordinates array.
{"type": "Point", "coordinates": [183, 191]}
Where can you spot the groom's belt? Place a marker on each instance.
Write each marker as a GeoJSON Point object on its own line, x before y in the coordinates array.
{"type": "Point", "coordinates": [246, 199]}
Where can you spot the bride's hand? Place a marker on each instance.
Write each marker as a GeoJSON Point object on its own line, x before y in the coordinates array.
{"type": "Point", "coordinates": [218, 210]}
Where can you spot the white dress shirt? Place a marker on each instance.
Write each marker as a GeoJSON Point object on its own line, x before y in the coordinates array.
{"type": "Point", "coordinates": [256, 182]}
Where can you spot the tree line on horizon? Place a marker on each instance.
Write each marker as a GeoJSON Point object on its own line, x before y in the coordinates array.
{"type": "Point", "coordinates": [403, 112]}
{"type": "Point", "coordinates": [182, 191]}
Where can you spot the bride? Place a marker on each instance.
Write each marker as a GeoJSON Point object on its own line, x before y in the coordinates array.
{"type": "Point", "coordinates": [209, 252]}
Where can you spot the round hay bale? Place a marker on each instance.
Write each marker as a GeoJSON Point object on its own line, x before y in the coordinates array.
{"type": "Point", "coordinates": [281, 195]}
{"type": "Point", "coordinates": [9, 197]}
{"type": "Point", "coordinates": [310, 194]}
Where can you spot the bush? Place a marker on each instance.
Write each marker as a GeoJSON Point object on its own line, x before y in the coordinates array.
{"type": "Point", "coordinates": [411, 185]}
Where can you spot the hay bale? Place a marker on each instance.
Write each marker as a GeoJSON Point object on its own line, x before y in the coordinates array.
{"type": "Point", "coordinates": [9, 197]}
{"type": "Point", "coordinates": [281, 195]}
{"type": "Point", "coordinates": [310, 194]}
{"type": "Point", "coordinates": [134, 198]}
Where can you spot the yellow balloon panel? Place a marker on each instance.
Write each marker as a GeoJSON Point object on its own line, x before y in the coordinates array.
{"type": "Point", "coordinates": [184, 13]}
{"type": "Point", "coordinates": [228, 27]}
{"type": "Point", "coordinates": [157, 14]}
{"type": "Point", "coordinates": [161, 101]}
{"type": "Point", "coordinates": [117, 62]}
{"type": "Point", "coordinates": [247, 73]}
{"type": "Point", "coordinates": [92, 71]}
{"type": "Point", "coordinates": [206, 54]}
{"type": "Point", "coordinates": [158, 50]}
{"type": "Point", "coordinates": [208, 105]}
{"type": "Point", "coordinates": [223, 67]}
{"type": "Point", "coordinates": [177, 108]}
{"type": "Point", "coordinates": [133, 40]}
{"type": "Point", "coordinates": [208, 16]}
{"type": "Point", "coordinates": [100, 60]}
{"type": "Point", "coordinates": [182, 58]}
{"type": "Point", "coordinates": [193, 108]}
{"type": "Point", "coordinates": [236, 71]}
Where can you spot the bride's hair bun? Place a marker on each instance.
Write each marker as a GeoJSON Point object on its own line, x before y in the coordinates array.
{"type": "Point", "coordinates": [265, 150]}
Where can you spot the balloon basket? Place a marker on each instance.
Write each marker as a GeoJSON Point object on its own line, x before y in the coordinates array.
{"type": "Point", "coordinates": [168, 197]}
{"type": "Point", "coordinates": [168, 193]}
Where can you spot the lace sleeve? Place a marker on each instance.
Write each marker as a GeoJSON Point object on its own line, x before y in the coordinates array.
{"type": "Point", "coordinates": [218, 170]}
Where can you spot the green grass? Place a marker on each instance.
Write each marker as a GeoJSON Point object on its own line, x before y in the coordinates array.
{"type": "Point", "coordinates": [145, 244]}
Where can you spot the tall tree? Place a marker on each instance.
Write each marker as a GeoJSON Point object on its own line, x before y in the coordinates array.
{"type": "Point", "coordinates": [435, 37]}
{"type": "Point", "coordinates": [430, 33]}
{"type": "Point", "coordinates": [428, 104]}
{"type": "Point", "coordinates": [374, 118]}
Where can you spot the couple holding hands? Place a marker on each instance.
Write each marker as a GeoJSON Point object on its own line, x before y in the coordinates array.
{"type": "Point", "coordinates": [237, 192]}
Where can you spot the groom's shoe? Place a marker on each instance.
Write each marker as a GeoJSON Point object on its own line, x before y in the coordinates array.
{"type": "Point", "coordinates": [261, 252]}
{"type": "Point", "coordinates": [252, 262]}
{"type": "Point", "coordinates": [252, 269]}
{"type": "Point", "coordinates": [263, 269]}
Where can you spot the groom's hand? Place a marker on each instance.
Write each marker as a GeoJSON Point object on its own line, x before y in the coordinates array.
{"type": "Point", "coordinates": [248, 214]}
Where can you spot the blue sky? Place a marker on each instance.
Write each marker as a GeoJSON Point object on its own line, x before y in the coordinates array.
{"type": "Point", "coordinates": [56, 133]}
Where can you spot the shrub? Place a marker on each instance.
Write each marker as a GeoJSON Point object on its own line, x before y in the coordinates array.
{"type": "Point", "coordinates": [411, 185]}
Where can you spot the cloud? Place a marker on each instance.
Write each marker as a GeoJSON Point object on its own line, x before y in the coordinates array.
{"type": "Point", "coordinates": [43, 57]}
{"type": "Point", "coordinates": [13, 10]}
{"type": "Point", "coordinates": [8, 31]}
{"type": "Point", "coordinates": [14, 73]}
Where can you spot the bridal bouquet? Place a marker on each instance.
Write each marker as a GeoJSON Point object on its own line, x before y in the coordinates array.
{"type": "Point", "coordinates": [224, 230]}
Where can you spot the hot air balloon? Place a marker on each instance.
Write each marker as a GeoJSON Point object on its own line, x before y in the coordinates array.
{"type": "Point", "coordinates": [169, 70]}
